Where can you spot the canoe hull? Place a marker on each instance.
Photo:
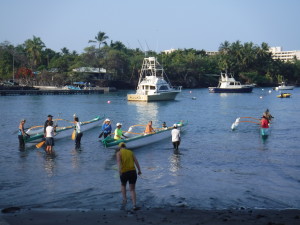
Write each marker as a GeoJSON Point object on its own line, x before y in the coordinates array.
{"type": "Point", "coordinates": [62, 132]}
{"type": "Point", "coordinates": [142, 140]}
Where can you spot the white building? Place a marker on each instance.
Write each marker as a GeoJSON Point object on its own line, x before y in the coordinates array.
{"type": "Point", "coordinates": [285, 56]}
{"type": "Point", "coordinates": [169, 51]}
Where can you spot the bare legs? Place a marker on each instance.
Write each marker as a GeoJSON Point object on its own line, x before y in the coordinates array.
{"type": "Point", "coordinates": [132, 194]}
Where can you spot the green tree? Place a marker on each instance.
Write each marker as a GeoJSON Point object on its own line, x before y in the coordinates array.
{"type": "Point", "coordinates": [34, 49]}
{"type": "Point", "coordinates": [100, 38]}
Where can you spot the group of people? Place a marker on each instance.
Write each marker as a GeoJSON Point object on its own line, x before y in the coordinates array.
{"type": "Point", "coordinates": [118, 134]}
{"type": "Point", "coordinates": [49, 133]}
{"type": "Point", "coordinates": [128, 165]}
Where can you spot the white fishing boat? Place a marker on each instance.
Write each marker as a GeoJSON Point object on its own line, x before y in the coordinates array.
{"type": "Point", "coordinates": [138, 139]}
{"type": "Point", "coordinates": [153, 83]}
{"type": "Point", "coordinates": [283, 86]}
{"type": "Point", "coordinates": [227, 84]}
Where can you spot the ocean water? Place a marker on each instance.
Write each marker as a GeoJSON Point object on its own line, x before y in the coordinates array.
{"type": "Point", "coordinates": [215, 167]}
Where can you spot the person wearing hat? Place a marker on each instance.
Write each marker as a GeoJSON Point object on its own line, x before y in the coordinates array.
{"type": "Point", "coordinates": [118, 132]}
{"type": "Point", "coordinates": [268, 115]}
{"type": "Point", "coordinates": [127, 164]}
{"type": "Point", "coordinates": [106, 128]}
{"type": "Point", "coordinates": [21, 134]}
{"type": "Point", "coordinates": [175, 137]}
{"type": "Point", "coordinates": [46, 123]}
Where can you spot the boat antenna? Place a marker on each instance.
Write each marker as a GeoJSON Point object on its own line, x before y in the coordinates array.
{"type": "Point", "coordinates": [147, 45]}
{"type": "Point", "coordinates": [142, 48]}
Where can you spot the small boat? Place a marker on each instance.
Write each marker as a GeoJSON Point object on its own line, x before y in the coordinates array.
{"type": "Point", "coordinates": [136, 140]}
{"type": "Point", "coordinates": [227, 84]}
{"type": "Point", "coordinates": [153, 84]}
{"type": "Point", "coordinates": [284, 95]}
{"type": "Point", "coordinates": [283, 86]}
{"type": "Point", "coordinates": [37, 132]}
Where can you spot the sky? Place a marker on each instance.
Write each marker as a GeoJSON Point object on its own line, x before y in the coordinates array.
{"type": "Point", "coordinates": [152, 25]}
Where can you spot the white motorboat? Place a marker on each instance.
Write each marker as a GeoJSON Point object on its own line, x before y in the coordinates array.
{"type": "Point", "coordinates": [227, 84]}
{"type": "Point", "coordinates": [153, 84]}
{"type": "Point", "coordinates": [283, 86]}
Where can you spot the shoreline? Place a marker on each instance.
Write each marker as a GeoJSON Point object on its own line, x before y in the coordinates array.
{"type": "Point", "coordinates": [162, 216]}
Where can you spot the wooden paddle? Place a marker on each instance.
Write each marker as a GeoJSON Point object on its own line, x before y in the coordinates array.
{"type": "Point", "coordinates": [73, 135]}
{"type": "Point", "coordinates": [39, 145]}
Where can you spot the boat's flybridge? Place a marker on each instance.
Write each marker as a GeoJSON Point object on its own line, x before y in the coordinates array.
{"type": "Point", "coordinates": [152, 85]}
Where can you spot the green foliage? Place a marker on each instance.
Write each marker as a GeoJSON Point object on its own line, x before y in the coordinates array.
{"type": "Point", "coordinates": [187, 67]}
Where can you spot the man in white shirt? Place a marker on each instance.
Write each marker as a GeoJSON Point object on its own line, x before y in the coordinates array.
{"type": "Point", "coordinates": [175, 137]}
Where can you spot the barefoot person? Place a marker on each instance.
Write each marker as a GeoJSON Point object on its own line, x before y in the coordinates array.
{"type": "Point", "coordinates": [126, 164]}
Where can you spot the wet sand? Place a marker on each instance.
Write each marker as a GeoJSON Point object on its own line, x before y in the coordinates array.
{"type": "Point", "coordinates": [163, 216]}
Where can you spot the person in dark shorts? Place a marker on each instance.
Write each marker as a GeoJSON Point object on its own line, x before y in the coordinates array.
{"type": "Point", "coordinates": [126, 164]}
{"type": "Point", "coordinates": [50, 132]}
{"type": "Point", "coordinates": [78, 132]}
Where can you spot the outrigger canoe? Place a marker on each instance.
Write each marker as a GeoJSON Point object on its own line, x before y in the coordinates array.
{"type": "Point", "coordinates": [136, 140]}
{"type": "Point", "coordinates": [37, 135]}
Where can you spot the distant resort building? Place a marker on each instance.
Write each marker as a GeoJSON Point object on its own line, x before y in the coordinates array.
{"type": "Point", "coordinates": [169, 51]}
{"type": "Point", "coordinates": [285, 56]}
{"type": "Point", "coordinates": [97, 73]}
{"type": "Point", "coordinates": [277, 53]}
{"type": "Point", "coordinates": [212, 52]}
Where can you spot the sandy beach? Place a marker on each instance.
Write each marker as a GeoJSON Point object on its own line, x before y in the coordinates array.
{"type": "Point", "coordinates": [162, 216]}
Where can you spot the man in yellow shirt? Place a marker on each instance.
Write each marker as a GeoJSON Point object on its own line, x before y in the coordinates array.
{"type": "Point", "coordinates": [126, 164]}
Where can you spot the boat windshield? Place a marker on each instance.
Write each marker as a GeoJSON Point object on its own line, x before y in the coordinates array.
{"type": "Point", "coordinates": [163, 87]}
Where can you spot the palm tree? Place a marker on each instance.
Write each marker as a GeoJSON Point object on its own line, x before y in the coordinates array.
{"type": "Point", "coordinates": [100, 38]}
{"type": "Point", "coordinates": [34, 49]}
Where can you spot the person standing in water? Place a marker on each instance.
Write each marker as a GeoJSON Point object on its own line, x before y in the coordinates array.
{"type": "Point", "coordinates": [78, 132]}
{"type": "Point", "coordinates": [21, 134]}
{"type": "Point", "coordinates": [175, 137]}
{"type": "Point", "coordinates": [49, 137]}
{"type": "Point", "coordinates": [126, 163]}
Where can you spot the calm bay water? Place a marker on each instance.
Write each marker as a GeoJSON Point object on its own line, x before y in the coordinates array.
{"type": "Point", "coordinates": [215, 168]}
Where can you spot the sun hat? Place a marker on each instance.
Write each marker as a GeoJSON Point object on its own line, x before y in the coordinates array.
{"type": "Point", "coordinates": [107, 120]}
{"type": "Point", "coordinates": [119, 124]}
{"type": "Point", "coordinates": [121, 144]}
{"type": "Point", "coordinates": [175, 125]}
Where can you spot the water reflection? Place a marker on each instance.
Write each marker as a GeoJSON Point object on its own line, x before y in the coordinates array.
{"type": "Point", "coordinates": [50, 163]}
{"type": "Point", "coordinates": [146, 111]}
{"type": "Point", "coordinates": [75, 152]}
{"type": "Point", "coordinates": [175, 161]}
